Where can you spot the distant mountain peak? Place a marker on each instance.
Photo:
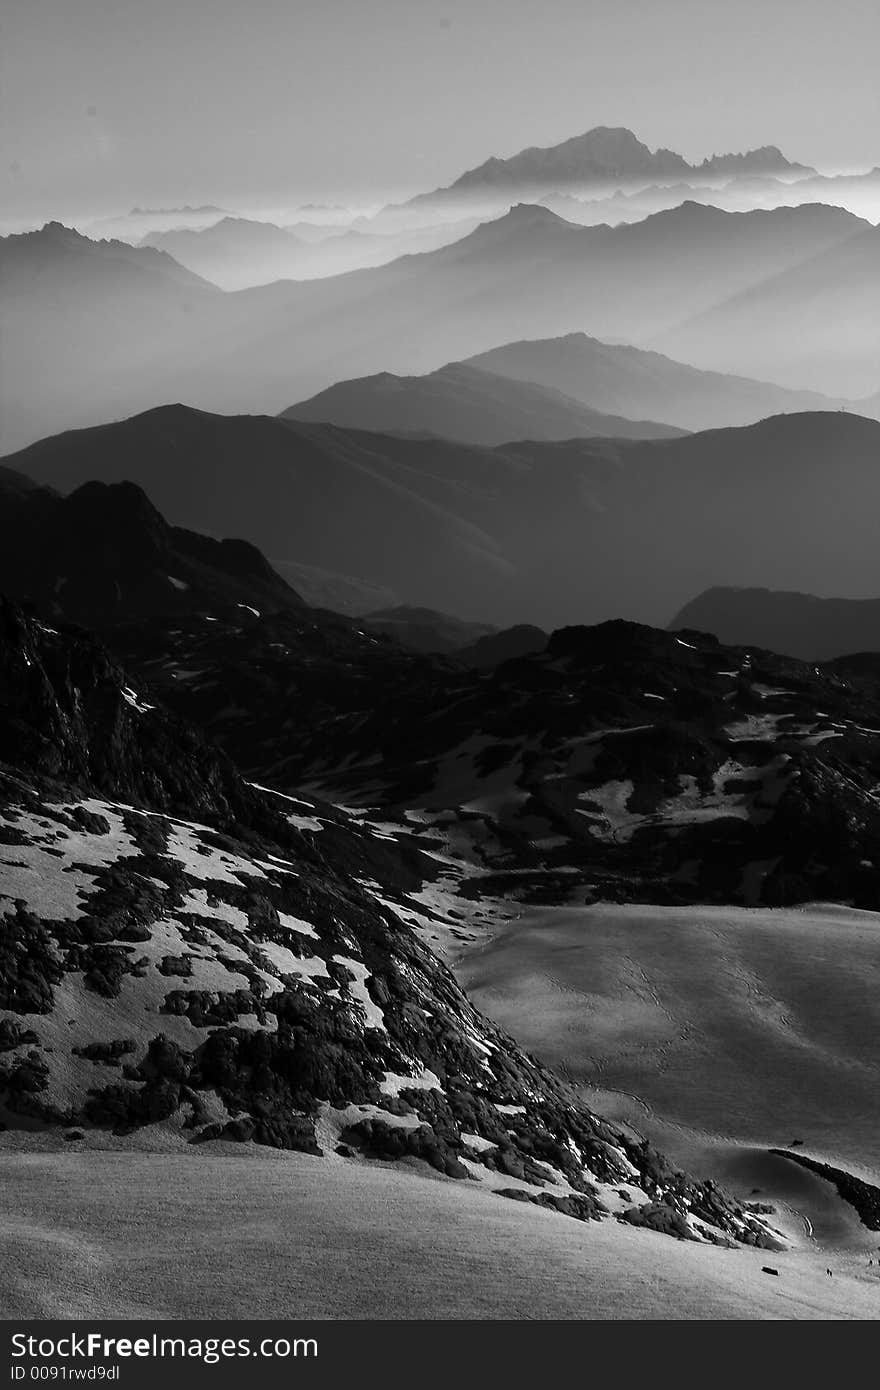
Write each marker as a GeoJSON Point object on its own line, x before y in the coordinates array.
{"type": "Point", "coordinates": [766, 159]}
{"type": "Point", "coordinates": [534, 212]}
{"type": "Point", "coordinates": [532, 215]}
{"type": "Point", "coordinates": [522, 217]}
{"type": "Point", "coordinates": [58, 231]}
{"type": "Point", "coordinates": [606, 154]}
{"type": "Point", "coordinates": [603, 152]}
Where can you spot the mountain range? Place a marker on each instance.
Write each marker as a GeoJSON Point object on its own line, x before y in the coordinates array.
{"type": "Point", "coordinates": [236, 252]}
{"type": "Point", "coordinates": [477, 645]}
{"type": "Point", "coordinates": [96, 331]}
{"type": "Point", "coordinates": [598, 760]}
{"type": "Point", "coordinates": [602, 156]}
{"type": "Point", "coordinates": [636, 383]}
{"type": "Point", "coordinates": [545, 533]}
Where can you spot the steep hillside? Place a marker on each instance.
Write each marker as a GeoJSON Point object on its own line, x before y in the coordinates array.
{"type": "Point", "coordinates": [178, 949]}
{"type": "Point", "coordinates": [104, 554]}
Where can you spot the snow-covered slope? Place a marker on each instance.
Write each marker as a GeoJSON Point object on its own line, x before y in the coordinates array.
{"type": "Point", "coordinates": [178, 949]}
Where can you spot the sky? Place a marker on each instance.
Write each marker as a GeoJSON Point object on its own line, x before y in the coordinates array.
{"type": "Point", "coordinates": [109, 103]}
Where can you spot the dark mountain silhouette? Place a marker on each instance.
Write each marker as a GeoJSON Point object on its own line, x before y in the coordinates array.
{"type": "Point", "coordinates": [28, 259]}
{"type": "Point", "coordinates": [366, 505]}
{"type": "Point", "coordinates": [605, 155]}
{"type": "Point", "coordinates": [801, 625]}
{"type": "Point", "coordinates": [15, 487]}
{"type": "Point", "coordinates": [507, 645]}
{"type": "Point", "coordinates": [463, 402]}
{"type": "Point", "coordinates": [104, 554]}
{"type": "Point", "coordinates": [426, 630]}
{"type": "Point", "coordinates": [472, 644]}
{"type": "Point", "coordinates": [816, 323]}
{"type": "Point", "coordinates": [530, 532]}
{"type": "Point", "coordinates": [646, 385]}
{"type": "Point", "coordinates": [124, 337]}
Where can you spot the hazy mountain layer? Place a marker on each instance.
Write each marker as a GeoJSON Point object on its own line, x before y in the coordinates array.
{"type": "Point", "coordinates": [463, 402]}
{"type": "Point", "coordinates": [95, 331]}
{"type": "Point", "coordinates": [641, 384]}
{"type": "Point", "coordinates": [603, 156]}
{"type": "Point", "coordinates": [814, 324]}
{"type": "Point", "coordinates": [238, 252]}
{"type": "Point", "coordinates": [542, 533]}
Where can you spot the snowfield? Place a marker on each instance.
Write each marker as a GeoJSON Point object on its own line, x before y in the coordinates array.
{"type": "Point", "coordinates": [719, 1032]}
{"type": "Point", "coordinates": [186, 1235]}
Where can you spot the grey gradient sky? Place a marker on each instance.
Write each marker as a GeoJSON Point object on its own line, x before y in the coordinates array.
{"type": "Point", "coordinates": [107, 103]}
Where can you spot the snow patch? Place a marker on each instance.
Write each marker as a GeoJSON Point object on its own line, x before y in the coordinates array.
{"type": "Point", "coordinates": [131, 698]}
{"type": "Point", "coordinates": [393, 1083]}
{"type": "Point", "coordinates": [373, 1015]}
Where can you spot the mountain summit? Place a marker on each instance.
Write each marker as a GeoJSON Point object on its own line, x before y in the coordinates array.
{"type": "Point", "coordinates": [605, 155]}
